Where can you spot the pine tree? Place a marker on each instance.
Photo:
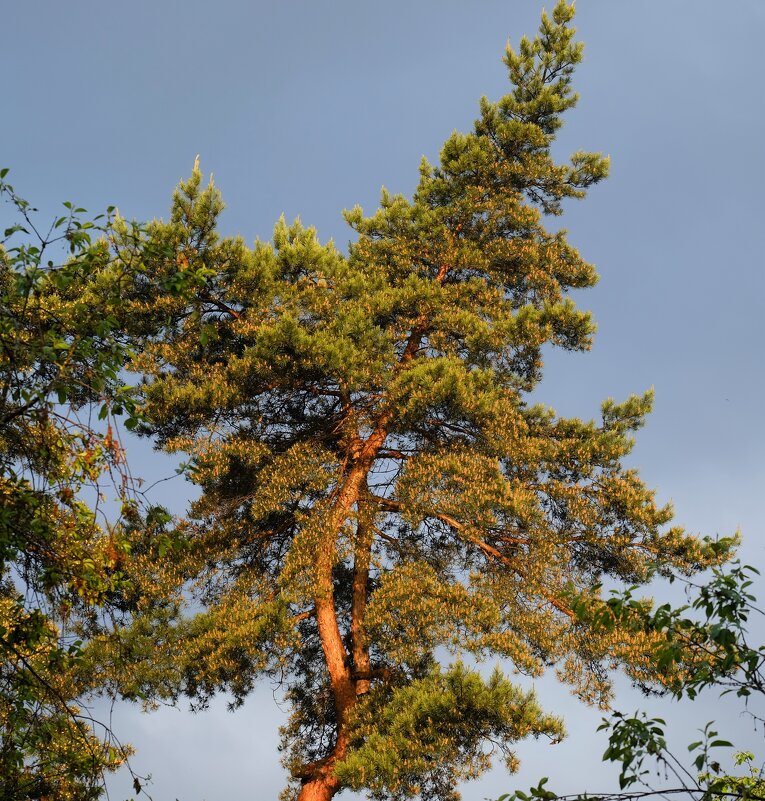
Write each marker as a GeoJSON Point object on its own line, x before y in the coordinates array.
{"type": "Point", "coordinates": [379, 496]}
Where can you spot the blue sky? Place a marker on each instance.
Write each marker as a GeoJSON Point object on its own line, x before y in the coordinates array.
{"type": "Point", "coordinates": [310, 107]}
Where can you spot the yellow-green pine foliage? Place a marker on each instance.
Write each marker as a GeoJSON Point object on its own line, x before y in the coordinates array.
{"type": "Point", "coordinates": [377, 490]}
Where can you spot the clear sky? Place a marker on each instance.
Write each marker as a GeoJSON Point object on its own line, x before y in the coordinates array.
{"type": "Point", "coordinates": [307, 107]}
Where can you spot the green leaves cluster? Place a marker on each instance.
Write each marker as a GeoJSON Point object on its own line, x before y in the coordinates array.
{"type": "Point", "coordinates": [704, 645]}
{"type": "Point", "coordinates": [422, 738]}
{"type": "Point", "coordinates": [61, 356]}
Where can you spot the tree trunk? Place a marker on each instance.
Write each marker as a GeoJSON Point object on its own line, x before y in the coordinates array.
{"type": "Point", "coordinates": [319, 780]}
{"type": "Point", "coordinates": [321, 788]}
{"type": "Point", "coordinates": [361, 563]}
{"type": "Point", "coordinates": [322, 785]}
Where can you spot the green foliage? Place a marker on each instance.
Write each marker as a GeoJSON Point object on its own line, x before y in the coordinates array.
{"type": "Point", "coordinates": [702, 651]}
{"type": "Point", "coordinates": [60, 362]}
{"type": "Point", "coordinates": [422, 738]}
{"type": "Point", "coordinates": [376, 489]}
{"type": "Point", "coordinates": [751, 785]}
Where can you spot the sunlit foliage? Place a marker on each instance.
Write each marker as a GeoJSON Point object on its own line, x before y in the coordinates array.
{"type": "Point", "coordinates": [378, 495]}
{"type": "Point", "coordinates": [60, 358]}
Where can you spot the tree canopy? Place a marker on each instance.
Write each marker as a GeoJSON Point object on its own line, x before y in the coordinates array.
{"type": "Point", "coordinates": [60, 358]}
{"type": "Point", "coordinates": [382, 506]}
{"type": "Point", "coordinates": [381, 503]}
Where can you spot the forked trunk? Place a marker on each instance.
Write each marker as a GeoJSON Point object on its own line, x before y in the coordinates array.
{"type": "Point", "coordinates": [323, 785]}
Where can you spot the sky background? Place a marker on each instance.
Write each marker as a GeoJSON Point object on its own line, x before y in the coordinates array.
{"type": "Point", "coordinates": [308, 107]}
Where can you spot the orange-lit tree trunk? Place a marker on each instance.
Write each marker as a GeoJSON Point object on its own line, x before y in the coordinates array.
{"type": "Point", "coordinates": [349, 673]}
{"type": "Point", "coordinates": [320, 782]}
{"type": "Point", "coordinates": [322, 786]}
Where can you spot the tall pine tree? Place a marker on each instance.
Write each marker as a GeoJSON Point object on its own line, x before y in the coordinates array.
{"type": "Point", "coordinates": [379, 497]}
